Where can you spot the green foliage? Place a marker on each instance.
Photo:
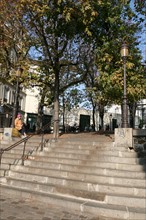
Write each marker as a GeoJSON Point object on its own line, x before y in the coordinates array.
{"type": "Point", "coordinates": [72, 41]}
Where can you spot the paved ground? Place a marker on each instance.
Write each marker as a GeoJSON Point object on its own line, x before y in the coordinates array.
{"type": "Point", "coordinates": [18, 209]}
{"type": "Point", "coordinates": [94, 136]}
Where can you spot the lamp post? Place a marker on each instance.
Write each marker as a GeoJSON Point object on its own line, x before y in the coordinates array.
{"type": "Point", "coordinates": [1, 114]}
{"type": "Point", "coordinates": [110, 122]}
{"type": "Point", "coordinates": [124, 54]}
{"type": "Point", "coordinates": [16, 97]}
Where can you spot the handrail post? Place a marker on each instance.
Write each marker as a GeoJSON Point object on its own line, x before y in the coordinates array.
{"type": "Point", "coordinates": [21, 141]}
{"type": "Point", "coordinates": [1, 152]}
{"type": "Point", "coordinates": [42, 141]}
{"type": "Point", "coordinates": [23, 155]}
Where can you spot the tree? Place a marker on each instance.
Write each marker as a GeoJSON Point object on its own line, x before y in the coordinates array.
{"type": "Point", "coordinates": [121, 24]}
{"type": "Point", "coordinates": [52, 25]}
{"type": "Point", "coordinates": [15, 41]}
{"type": "Point", "coordinates": [54, 33]}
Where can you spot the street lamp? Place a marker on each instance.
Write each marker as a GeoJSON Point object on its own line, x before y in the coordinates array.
{"type": "Point", "coordinates": [110, 122]}
{"type": "Point", "coordinates": [124, 54]}
{"type": "Point", "coordinates": [1, 114]}
{"type": "Point", "coordinates": [16, 97]}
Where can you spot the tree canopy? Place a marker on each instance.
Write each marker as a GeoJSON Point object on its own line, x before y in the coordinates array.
{"type": "Point", "coordinates": [70, 41]}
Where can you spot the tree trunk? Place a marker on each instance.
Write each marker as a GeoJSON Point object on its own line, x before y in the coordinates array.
{"type": "Point", "coordinates": [39, 117]}
{"type": "Point", "coordinates": [101, 115]}
{"type": "Point", "coordinates": [93, 117]}
{"type": "Point", "coordinates": [132, 110]}
{"type": "Point", "coordinates": [56, 107]}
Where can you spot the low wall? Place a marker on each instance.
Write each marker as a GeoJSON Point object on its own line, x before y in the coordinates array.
{"type": "Point", "coordinates": [124, 137]}
{"type": "Point", "coordinates": [7, 134]}
{"type": "Point", "coordinates": [128, 137]}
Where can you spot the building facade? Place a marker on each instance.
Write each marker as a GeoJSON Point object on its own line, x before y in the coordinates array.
{"type": "Point", "coordinates": [7, 98]}
{"type": "Point", "coordinates": [29, 105]}
{"type": "Point", "coordinates": [32, 108]}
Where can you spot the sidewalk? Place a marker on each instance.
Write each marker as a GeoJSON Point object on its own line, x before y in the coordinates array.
{"type": "Point", "coordinates": [18, 209]}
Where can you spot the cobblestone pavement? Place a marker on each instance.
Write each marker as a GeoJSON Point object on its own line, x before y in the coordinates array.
{"type": "Point", "coordinates": [20, 209]}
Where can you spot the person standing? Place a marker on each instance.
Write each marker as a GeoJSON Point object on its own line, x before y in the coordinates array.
{"type": "Point", "coordinates": [19, 125]}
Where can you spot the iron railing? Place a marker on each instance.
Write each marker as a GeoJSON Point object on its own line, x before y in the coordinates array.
{"type": "Point", "coordinates": [24, 140]}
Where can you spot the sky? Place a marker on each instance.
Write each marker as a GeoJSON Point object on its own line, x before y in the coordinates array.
{"type": "Point", "coordinates": [142, 39]}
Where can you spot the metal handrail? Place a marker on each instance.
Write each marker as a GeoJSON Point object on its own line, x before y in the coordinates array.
{"type": "Point", "coordinates": [24, 140]}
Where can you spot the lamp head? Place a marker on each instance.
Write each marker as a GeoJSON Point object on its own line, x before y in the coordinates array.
{"type": "Point", "coordinates": [124, 50]}
{"type": "Point", "coordinates": [19, 71]}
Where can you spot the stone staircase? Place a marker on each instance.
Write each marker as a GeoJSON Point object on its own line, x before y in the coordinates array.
{"type": "Point", "coordinates": [88, 175]}
{"type": "Point", "coordinates": [13, 157]}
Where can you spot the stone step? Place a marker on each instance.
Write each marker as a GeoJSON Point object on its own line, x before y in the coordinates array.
{"type": "Point", "coordinates": [78, 185]}
{"type": "Point", "coordinates": [32, 145]}
{"type": "Point", "coordinates": [81, 144]}
{"type": "Point", "coordinates": [5, 166]}
{"type": "Point", "coordinates": [86, 169]}
{"type": "Point", "coordinates": [52, 188]}
{"type": "Point", "coordinates": [117, 165]}
{"type": "Point", "coordinates": [91, 146]}
{"type": "Point", "coordinates": [83, 141]}
{"type": "Point", "coordinates": [98, 151]}
{"type": "Point", "coordinates": [65, 155]}
{"type": "Point", "coordinates": [71, 150]}
{"type": "Point", "coordinates": [3, 172]}
{"type": "Point", "coordinates": [16, 154]}
{"type": "Point", "coordinates": [93, 157]}
{"type": "Point", "coordinates": [27, 147]}
{"type": "Point", "coordinates": [15, 140]}
{"type": "Point", "coordinates": [79, 204]}
{"type": "Point", "coordinates": [103, 176]}
{"type": "Point", "coordinates": [19, 151]}
{"type": "Point", "coordinates": [46, 159]}
{"type": "Point", "coordinates": [93, 164]}
{"type": "Point", "coordinates": [10, 160]}
{"type": "Point", "coordinates": [128, 201]}
{"type": "Point", "coordinates": [110, 198]}
{"type": "Point", "coordinates": [44, 175]}
{"type": "Point", "coordinates": [115, 159]}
